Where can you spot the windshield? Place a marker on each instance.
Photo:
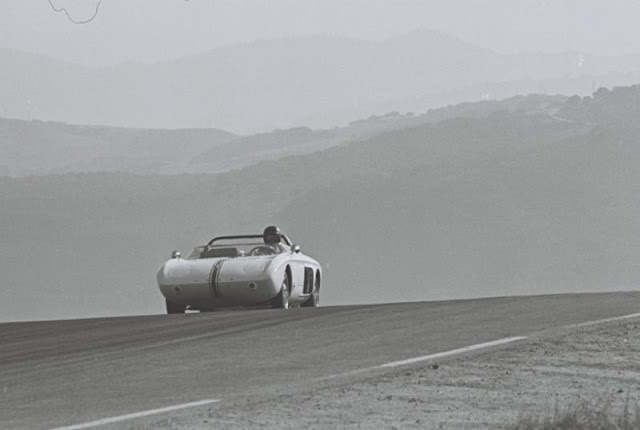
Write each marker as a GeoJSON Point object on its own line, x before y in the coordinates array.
{"type": "Point", "coordinates": [236, 248]}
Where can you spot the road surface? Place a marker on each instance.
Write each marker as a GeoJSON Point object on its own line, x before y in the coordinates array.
{"type": "Point", "coordinates": [60, 374]}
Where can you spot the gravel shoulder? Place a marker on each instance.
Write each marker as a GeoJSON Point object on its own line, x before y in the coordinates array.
{"type": "Point", "coordinates": [488, 389]}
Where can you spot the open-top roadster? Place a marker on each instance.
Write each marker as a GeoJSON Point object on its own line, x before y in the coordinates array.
{"type": "Point", "coordinates": [245, 270]}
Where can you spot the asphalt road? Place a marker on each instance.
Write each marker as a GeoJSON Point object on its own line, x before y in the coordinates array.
{"type": "Point", "coordinates": [61, 373]}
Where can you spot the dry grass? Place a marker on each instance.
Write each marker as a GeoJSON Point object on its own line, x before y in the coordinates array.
{"type": "Point", "coordinates": [584, 415]}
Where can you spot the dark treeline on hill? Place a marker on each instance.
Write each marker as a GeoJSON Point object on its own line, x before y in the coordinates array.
{"type": "Point", "coordinates": [521, 200]}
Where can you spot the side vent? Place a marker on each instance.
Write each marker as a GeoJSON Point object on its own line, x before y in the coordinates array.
{"type": "Point", "coordinates": [308, 280]}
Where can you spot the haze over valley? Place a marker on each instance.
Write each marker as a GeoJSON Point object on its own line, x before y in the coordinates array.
{"type": "Point", "coordinates": [528, 195]}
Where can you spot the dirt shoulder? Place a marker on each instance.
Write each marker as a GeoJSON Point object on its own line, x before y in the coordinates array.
{"type": "Point", "coordinates": [484, 390]}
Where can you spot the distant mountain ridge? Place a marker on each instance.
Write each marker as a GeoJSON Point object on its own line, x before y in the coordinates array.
{"type": "Point", "coordinates": [278, 83]}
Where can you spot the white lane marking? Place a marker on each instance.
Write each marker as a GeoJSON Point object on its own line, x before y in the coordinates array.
{"type": "Point", "coordinates": [450, 352]}
{"type": "Point", "coordinates": [602, 321]}
{"type": "Point", "coordinates": [141, 414]}
{"type": "Point", "coordinates": [408, 361]}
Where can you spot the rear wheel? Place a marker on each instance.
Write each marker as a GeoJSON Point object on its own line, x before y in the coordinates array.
{"type": "Point", "coordinates": [281, 301]}
{"type": "Point", "coordinates": [173, 308]}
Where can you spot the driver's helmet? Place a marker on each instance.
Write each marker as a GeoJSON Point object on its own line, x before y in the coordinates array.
{"type": "Point", "coordinates": [272, 235]}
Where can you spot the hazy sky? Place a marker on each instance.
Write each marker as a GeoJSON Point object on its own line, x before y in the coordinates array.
{"type": "Point", "coordinates": [149, 30]}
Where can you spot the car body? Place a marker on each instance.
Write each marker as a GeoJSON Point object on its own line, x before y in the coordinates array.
{"type": "Point", "coordinates": [242, 270]}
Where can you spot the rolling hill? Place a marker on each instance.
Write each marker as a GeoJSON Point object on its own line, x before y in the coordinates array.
{"type": "Point", "coordinates": [45, 148]}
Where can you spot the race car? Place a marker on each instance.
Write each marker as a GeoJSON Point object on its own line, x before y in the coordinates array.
{"type": "Point", "coordinates": [246, 270]}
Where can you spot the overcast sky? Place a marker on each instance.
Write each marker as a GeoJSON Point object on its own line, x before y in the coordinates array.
{"type": "Point", "coordinates": [150, 30]}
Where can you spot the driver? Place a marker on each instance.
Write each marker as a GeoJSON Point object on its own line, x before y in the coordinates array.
{"type": "Point", "coordinates": [271, 235]}
{"type": "Point", "coordinates": [272, 238]}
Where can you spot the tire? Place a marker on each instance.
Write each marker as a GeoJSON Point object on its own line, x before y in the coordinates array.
{"type": "Point", "coordinates": [314, 300]}
{"type": "Point", "coordinates": [173, 308]}
{"type": "Point", "coordinates": [281, 301]}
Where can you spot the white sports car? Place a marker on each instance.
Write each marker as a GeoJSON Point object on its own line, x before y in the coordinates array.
{"type": "Point", "coordinates": [246, 270]}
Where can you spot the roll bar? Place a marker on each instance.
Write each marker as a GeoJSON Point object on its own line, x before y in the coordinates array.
{"type": "Point", "coordinates": [246, 236]}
